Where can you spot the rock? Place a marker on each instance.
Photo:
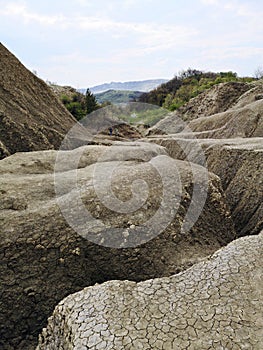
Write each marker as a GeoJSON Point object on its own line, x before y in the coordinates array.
{"type": "Point", "coordinates": [238, 163]}
{"type": "Point", "coordinates": [43, 255]}
{"type": "Point", "coordinates": [259, 97]}
{"type": "Point", "coordinates": [31, 117]}
{"type": "Point", "coordinates": [216, 304]}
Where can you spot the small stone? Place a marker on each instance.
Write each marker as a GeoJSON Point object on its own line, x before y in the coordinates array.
{"type": "Point", "coordinates": [125, 234]}
{"type": "Point", "coordinates": [39, 246]}
{"type": "Point", "coordinates": [76, 251]}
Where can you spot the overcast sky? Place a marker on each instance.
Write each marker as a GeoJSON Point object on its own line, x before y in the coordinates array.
{"type": "Point", "coordinates": [87, 42]}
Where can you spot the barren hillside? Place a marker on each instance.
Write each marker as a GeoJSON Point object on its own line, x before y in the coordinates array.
{"type": "Point", "coordinates": [31, 117]}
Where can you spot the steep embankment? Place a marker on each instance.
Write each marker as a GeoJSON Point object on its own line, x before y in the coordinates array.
{"type": "Point", "coordinates": [210, 118]}
{"type": "Point", "coordinates": [31, 117]}
{"type": "Point", "coordinates": [243, 122]}
{"type": "Point", "coordinates": [231, 141]}
{"type": "Point", "coordinates": [239, 164]}
{"type": "Point", "coordinates": [218, 99]}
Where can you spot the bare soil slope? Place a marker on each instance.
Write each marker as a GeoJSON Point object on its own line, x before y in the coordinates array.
{"type": "Point", "coordinates": [215, 100]}
{"type": "Point", "coordinates": [31, 117]}
{"type": "Point", "coordinates": [224, 111]}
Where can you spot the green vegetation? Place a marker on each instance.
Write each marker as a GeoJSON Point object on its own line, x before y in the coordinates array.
{"type": "Point", "coordinates": [146, 117]}
{"type": "Point", "coordinates": [75, 104]}
{"type": "Point", "coordinates": [170, 95]}
{"type": "Point", "coordinates": [137, 113]}
{"type": "Point", "coordinates": [91, 102]}
{"type": "Point", "coordinates": [118, 96]}
{"type": "Point", "coordinates": [186, 85]}
{"type": "Point", "coordinates": [78, 104]}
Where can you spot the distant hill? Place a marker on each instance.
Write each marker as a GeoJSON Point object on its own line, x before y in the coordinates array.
{"type": "Point", "coordinates": [118, 96]}
{"type": "Point", "coordinates": [143, 85]}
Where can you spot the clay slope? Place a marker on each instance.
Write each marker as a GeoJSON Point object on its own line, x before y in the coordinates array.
{"type": "Point", "coordinates": [216, 304]}
{"type": "Point", "coordinates": [31, 117]}
{"type": "Point", "coordinates": [224, 111]}
{"type": "Point", "coordinates": [218, 99]}
{"type": "Point", "coordinates": [43, 259]}
{"type": "Point", "coordinates": [246, 121]}
{"type": "Point", "coordinates": [239, 164]}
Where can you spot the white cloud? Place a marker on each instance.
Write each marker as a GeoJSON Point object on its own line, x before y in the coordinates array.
{"type": "Point", "coordinates": [129, 3]}
{"type": "Point", "coordinates": [84, 3]}
{"type": "Point", "coordinates": [78, 57]}
{"type": "Point", "coordinates": [236, 7]}
{"type": "Point", "coordinates": [210, 2]}
{"type": "Point", "coordinates": [20, 11]}
{"type": "Point", "coordinates": [243, 9]}
{"type": "Point", "coordinates": [221, 53]}
{"type": "Point", "coordinates": [107, 37]}
{"type": "Point", "coordinates": [149, 37]}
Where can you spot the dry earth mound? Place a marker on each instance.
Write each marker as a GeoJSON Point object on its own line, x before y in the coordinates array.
{"type": "Point", "coordinates": [218, 99]}
{"type": "Point", "coordinates": [31, 117]}
{"type": "Point", "coordinates": [253, 94]}
{"type": "Point", "coordinates": [237, 114]}
{"type": "Point", "coordinates": [43, 259]}
{"type": "Point", "coordinates": [246, 121]}
{"type": "Point", "coordinates": [216, 304]}
{"type": "Point", "coordinates": [239, 164]}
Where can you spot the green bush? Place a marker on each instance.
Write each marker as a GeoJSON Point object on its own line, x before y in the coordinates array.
{"type": "Point", "coordinates": [76, 109]}
{"type": "Point", "coordinates": [79, 105]}
{"type": "Point", "coordinates": [186, 85]}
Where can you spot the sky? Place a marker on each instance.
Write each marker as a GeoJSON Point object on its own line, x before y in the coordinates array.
{"type": "Point", "coordinates": [83, 43]}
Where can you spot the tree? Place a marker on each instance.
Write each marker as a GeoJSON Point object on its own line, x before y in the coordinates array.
{"type": "Point", "coordinates": [91, 102]}
{"type": "Point", "coordinates": [258, 73]}
{"type": "Point", "coordinates": [190, 73]}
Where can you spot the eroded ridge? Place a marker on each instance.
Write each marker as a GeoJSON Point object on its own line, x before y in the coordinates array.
{"type": "Point", "coordinates": [43, 259]}
{"type": "Point", "coordinates": [216, 304]}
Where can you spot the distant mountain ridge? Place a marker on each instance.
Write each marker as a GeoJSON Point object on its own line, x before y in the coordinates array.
{"type": "Point", "coordinates": [118, 96]}
{"type": "Point", "coordinates": [143, 85]}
